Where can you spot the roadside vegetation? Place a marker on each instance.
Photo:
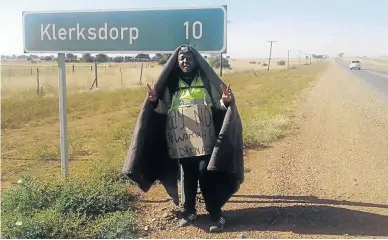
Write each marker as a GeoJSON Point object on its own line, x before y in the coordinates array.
{"type": "Point", "coordinates": [95, 202]}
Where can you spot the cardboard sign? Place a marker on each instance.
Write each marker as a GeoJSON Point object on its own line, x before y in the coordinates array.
{"type": "Point", "coordinates": [190, 131]}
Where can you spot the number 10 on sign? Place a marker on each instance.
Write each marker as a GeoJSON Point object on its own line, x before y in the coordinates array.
{"type": "Point", "coordinates": [196, 29]}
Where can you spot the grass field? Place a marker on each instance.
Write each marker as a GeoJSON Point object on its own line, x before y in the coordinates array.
{"type": "Point", "coordinates": [20, 77]}
{"type": "Point", "coordinates": [95, 202]}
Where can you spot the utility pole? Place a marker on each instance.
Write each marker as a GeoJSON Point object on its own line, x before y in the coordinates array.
{"type": "Point", "coordinates": [299, 56]}
{"type": "Point", "coordinates": [288, 59]}
{"type": "Point", "coordinates": [270, 52]}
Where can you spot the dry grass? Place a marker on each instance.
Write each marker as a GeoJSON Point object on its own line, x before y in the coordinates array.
{"type": "Point", "coordinates": [21, 77]}
{"type": "Point", "coordinates": [256, 64]}
{"type": "Point", "coordinates": [17, 78]}
{"type": "Point", "coordinates": [101, 122]}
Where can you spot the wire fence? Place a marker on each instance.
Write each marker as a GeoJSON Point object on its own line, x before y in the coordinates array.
{"type": "Point", "coordinates": [44, 78]}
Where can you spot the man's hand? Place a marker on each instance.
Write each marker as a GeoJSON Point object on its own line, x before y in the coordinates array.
{"type": "Point", "coordinates": [227, 95]}
{"type": "Point", "coordinates": [152, 97]}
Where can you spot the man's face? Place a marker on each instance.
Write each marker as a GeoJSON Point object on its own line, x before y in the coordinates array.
{"type": "Point", "coordinates": [186, 61]}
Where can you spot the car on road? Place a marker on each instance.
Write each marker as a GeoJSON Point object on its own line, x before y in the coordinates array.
{"type": "Point", "coordinates": [355, 64]}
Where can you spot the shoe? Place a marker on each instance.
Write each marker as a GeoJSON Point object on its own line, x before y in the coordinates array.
{"type": "Point", "coordinates": [187, 219]}
{"type": "Point", "coordinates": [218, 225]}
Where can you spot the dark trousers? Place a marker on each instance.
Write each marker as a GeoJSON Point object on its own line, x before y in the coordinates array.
{"type": "Point", "coordinates": [216, 187]}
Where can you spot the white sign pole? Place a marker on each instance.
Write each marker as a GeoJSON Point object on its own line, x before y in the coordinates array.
{"type": "Point", "coordinates": [62, 114]}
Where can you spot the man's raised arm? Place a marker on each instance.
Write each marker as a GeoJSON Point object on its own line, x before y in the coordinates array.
{"type": "Point", "coordinates": [158, 105]}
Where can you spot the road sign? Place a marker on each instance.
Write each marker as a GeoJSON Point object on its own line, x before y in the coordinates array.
{"type": "Point", "coordinates": [126, 31]}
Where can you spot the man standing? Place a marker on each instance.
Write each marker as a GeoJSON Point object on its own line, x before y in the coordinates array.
{"type": "Point", "coordinates": [190, 82]}
{"type": "Point", "coordinates": [188, 89]}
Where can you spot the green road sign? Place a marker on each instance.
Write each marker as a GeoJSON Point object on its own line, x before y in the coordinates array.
{"type": "Point", "coordinates": [132, 31]}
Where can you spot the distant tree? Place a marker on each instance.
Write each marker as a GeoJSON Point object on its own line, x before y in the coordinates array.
{"type": "Point", "coordinates": [87, 57]}
{"type": "Point", "coordinates": [101, 57]}
{"type": "Point", "coordinates": [127, 58]}
{"type": "Point", "coordinates": [164, 59]}
{"type": "Point", "coordinates": [341, 54]}
{"type": "Point", "coordinates": [71, 57]}
{"type": "Point", "coordinates": [215, 62]}
{"type": "Point", "coordinates": [281, 63]}
{"type": "Point", "coordinates": [118, 59]}
{"type": "Point", "coordinates": [143, 56]}
{"type": "Point", "coordinates": [48, 58]}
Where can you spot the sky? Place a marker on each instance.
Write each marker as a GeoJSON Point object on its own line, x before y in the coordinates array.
{"type": "Point", "coordinates": [354, 27]}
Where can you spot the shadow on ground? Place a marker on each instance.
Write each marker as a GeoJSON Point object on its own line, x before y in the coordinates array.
{"type": "Point", "coordinates": [308, 219]}
{"type": "Point", "coordinates": [300, 199]}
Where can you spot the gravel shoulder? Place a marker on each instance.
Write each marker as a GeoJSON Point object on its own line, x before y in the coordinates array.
{"type": "Point", "coordinates": [327, 180]}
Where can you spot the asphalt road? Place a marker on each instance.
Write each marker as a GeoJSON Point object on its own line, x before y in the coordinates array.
{"type": "Point", "coordinates": [378, 80]}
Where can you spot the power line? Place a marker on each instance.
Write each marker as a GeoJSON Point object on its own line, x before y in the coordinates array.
{"type": "Point", "coordinates": [270, 52]}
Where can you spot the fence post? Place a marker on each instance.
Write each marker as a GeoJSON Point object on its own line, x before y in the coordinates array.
{"type": "Point", "coordinates": [141, 71]}
{"type": "Point", "coordinates": [37, 81]}
{"type": "Point", "coordinates": [95, 82]}
{"type": "Point", "coordinates": [73, 67]}
{"type": "Point", "coordinates": [31, 71]}
{"type": "Point", "coordinates": [95, 73]}
{"type": "Point", "coordinates": [121, 74]}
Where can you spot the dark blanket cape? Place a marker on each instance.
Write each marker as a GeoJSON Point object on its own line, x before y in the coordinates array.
{"type": "Point", "coordinates": [147, 159]}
